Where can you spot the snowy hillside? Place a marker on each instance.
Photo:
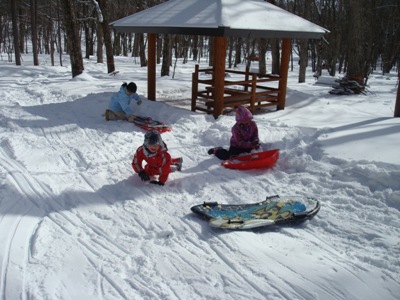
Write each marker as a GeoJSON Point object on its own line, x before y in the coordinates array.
{"type": "Point", "coordinates": [77, 223]}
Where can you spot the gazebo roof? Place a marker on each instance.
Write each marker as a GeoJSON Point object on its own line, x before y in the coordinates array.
{"type": "Point", "coordinates": [241, 18]}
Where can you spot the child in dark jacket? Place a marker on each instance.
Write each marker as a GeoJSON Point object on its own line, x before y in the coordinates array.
{"type": "Point", "coordinates": [159, 162]}
{"type": "Point", "coordinates": [244, 136]}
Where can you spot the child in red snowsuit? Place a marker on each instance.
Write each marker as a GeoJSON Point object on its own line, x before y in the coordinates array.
{"type": "Point", "coordinates": [244, 136]}
{"type": "Point", "coordinates": [155, 153]}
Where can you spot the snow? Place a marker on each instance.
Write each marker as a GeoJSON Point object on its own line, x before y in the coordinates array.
{"type": "Point", "coordinates": [77, 223]}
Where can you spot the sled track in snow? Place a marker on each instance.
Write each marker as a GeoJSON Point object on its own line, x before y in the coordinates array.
{"type": "Point", "coordinates": [19, 225]}
{"type": "Point", "coordinates": [107, 222]}
{"type": "Point", "coordinates": [40, 203]}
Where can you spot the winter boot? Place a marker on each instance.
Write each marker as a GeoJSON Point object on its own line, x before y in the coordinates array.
{"type": "Point", "coordinates": [177, 162]}
{"type": "Point", "coordinates": [213, 150]}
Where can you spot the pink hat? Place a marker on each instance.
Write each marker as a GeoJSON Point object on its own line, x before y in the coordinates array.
{"type": "Point", "coordinates": [243, 114]}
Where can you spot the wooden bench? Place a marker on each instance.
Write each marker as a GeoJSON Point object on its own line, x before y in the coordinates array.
{"type": "Point", "coordinates": [250, 92]}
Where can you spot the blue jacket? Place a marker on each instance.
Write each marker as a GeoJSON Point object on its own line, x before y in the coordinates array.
{"type": "Point", "coordinates": [121, 101]}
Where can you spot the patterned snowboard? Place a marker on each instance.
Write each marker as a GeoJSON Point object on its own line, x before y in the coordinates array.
{"type": "Point", "coordinates": [274, 210]}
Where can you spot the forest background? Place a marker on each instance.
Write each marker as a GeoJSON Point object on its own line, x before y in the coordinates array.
{"type": "Point", "coordinates": [363, 37]}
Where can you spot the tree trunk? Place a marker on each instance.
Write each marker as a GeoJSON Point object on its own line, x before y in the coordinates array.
{"type": "Point", "coordinates": [34, 32]}
{"type": "Point", "coordinates": [238, 51]}
{"type": "Point", "coordinates": [59, 33]}
{"type": "Point", "coordinates": [356, 42]}
{"type": "Point", "coordinates": [231, 43]}
{"type": "Point", "coordinates": [14, 17]}
{"type": "Point", "coordinates": [117, 44]}
{"type": "Point", "coordinates": [52, 50]}
{"type": "Point", "coordinates": [21, 27]}
{"type": "Point", "coordinates": [142, 50]}
{"type": "Point", "coordinates": [166, 61]}
{"type": "Point", "coordinates": [210, 51]}
{"type": "Point", "coordinates": [88, 38]}
{"type": "Point", "coordinates": [262, 51]}
{"type": "Point", "coordinates": [275, 56]}
{"type": "Point", "coordinates": [303, 56]}
{"type": "Point", "coordinates": [99, 44]}
{"type": "Point", "coordinates": [275, 51]}
{"type": "Point", "coordinates": [107, 37]}
{"type": "Point", "coordinates": [88, 34]}
{"type": "Point", "coordinates": [159, 44]}
{"type": "Point", "coordinates": [195, 47]}
{"type": "Point", "coordinates": [73, 38]}
{"type": "Point", "coordinates": [305, 12]}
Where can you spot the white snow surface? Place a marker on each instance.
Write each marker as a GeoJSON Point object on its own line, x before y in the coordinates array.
{"type": "Point", "coordinates": [77, 223]}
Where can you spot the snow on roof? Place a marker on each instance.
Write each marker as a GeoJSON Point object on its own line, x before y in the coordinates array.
{"type": "Point", "coordinates": [251, 18]}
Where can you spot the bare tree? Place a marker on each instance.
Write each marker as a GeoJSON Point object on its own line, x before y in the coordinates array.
{"type": "Point", "coordinates": [238, 51]}
{"type": "Point", "coordinates": [275, 50]}
{"type": "Point", "coordinates": [73, 38]}
{"type": "Point", "coordinates": [356, 40]}
{"type": "Point", "coordinates": [142, 47]}
{"type": "Point", "coordinates": [14, 16]}
{"type": "Point", "coordinates": [100, 42]}
{"type": "Point", "coordinates": [104, 21]}
{"type": "Point", "coordinates": [34, 27]}
{"type": "Point", "coordinates": [304, 9]}
{"type": "Point", "coordinates": [231, 43]}
{"type": "Point", "coordinates": [166, 55]}
{"type": "Point", "coordinates": [275, 54]}
{"type": "Point", "coordinates": [262, 51]}
{"type": "Point", "coordinates": [195, 47]}
{"type": "Point", "coordinates": [363, 35]}
{"type": "Point", "coordinates": [59, 32]}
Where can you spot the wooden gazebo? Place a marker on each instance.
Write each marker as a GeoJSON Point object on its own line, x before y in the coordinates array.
{"type": "Point", "coordinates": [220, 19]}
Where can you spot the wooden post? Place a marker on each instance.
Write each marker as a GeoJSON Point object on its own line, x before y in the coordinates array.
{"type": "Point", "coordinates": [195, 86]}
{"type": "Point", "coordinates": [246, 77]}
{"type": "Point", "coordinates": [284, 70]}
{"type": "Point", "coordinates": [253, 92]}
{"type": "Point", "coordinates": [219, 74]}
{"type": "Point", "coordinates": [151, 66]}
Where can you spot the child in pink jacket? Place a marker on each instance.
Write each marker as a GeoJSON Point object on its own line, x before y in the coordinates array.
{"type": "Point", "coordinates": [244, 136]}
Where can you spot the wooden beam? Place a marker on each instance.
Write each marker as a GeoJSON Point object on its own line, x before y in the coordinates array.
{"type": "Point", "coordinates": [284, 70]}
{"type": "Point", "coordinates": [219, 57]}
{"type": "Point", "coordinates": [151, 66]}
{"type": "Point", "coordinates": [195, 86]}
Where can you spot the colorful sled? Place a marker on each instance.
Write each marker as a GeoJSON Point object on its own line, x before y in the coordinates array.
{"type": "Point", "coordinates": [147, 124]}
{"type": "Point", "coordinates": [258, 160]}
{"type": "Point", "coordinates": [275, 210]}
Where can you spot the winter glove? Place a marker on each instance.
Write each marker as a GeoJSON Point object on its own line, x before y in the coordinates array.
{"type": "Point", "coordinates": [255, 145]}
{"type": "Point", "coordinates": [139, 102]}
{"type": "Point", "coordinates": [157, 182]}
{"type": "Point", "coordinates": [143, 175]}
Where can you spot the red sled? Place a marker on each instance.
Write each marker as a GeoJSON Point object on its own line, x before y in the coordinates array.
{"type": "Point", "coordinates": [148, 124]}
{"type": "Point", "coordinates": [258, 160]}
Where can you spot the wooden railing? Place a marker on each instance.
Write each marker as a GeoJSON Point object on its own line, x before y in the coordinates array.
{"type": "Point", "coordinates": [253, 91]}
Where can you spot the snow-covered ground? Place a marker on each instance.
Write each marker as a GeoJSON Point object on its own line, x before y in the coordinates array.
{"type": "Point", "coordinates": [77, 223]}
